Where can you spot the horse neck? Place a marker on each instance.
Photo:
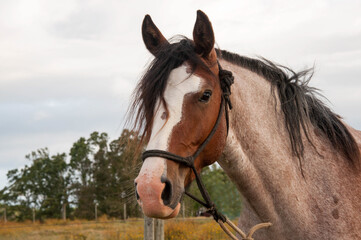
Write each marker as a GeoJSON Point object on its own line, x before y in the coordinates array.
{"type": "Point", "coordinates": [259, 160]}
{"type": "Point", "coordinates": [258, 156]}
{"type": "Point", "coordinates": [256, 141]}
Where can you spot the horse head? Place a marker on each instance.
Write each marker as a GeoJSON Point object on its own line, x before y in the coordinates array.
{"type": "Point", "coordinates": [180, 98]}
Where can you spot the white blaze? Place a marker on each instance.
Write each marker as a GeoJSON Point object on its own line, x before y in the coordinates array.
{"type": "Point", "coordinates": [179, 84]}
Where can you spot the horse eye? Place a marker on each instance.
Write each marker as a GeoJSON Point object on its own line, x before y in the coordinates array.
{"type": "Point", "coordinates": [206, 95]}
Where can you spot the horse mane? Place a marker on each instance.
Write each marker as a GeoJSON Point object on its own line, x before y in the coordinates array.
{"type": "Point", "coordinates": [152, 84]}
{"type": "Point", "coordinates": [300, 104]}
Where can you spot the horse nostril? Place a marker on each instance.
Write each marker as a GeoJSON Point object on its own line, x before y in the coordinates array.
{"type": "Point", "coordinates": [136, 191]}
{"type": "Point", "coordinates": [167, 191]}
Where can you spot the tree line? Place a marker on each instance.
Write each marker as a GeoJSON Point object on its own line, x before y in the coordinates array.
{"type": "Point", "coordinates": [96, 171]}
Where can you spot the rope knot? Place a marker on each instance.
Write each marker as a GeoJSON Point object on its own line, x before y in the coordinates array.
{"type": "Point", "coordinates": [216, 215]}
{"type": "Point", "coordinates": [227, 79]}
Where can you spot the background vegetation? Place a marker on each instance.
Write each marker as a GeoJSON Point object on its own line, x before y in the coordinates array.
{"type": "Point", "coordinates": [132, 229]}
{"type": "Point", "coordinates": [95, 171]}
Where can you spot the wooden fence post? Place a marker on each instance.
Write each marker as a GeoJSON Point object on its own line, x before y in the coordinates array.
{"type": "Point", "coordinates": [158, 229]}
{"type": "Point", "coordinates": [33, 215]}
{"type": "Point", "coordinates": [64, 211]}
{"type": "Point", "coordinates": [153, 229]}
{"type": "Point", "coordinates": [148, 228]}
{"type": "Point", "coordinates": [123, 195]}
{"type": "Point", "coordinates": [5, 219]}
{"type": "Point", "coordinates": [125, 211]}
{"type": "Point", "coordinates": [96, 211]}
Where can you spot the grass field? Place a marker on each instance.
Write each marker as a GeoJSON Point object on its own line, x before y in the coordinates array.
{"type": "Point", "coordinates": [132, 229]}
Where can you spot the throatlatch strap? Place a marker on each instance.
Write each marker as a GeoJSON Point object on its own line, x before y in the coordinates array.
{"type": "Point", "coordinates": [226, 79]}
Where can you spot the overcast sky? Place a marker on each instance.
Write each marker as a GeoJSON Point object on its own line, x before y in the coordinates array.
{"type": "Point", "coordinates": [67, 68]}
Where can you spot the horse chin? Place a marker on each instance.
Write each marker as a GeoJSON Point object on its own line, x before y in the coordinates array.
{"type": "Point", "coordinates": [164, 213]}
{"type": "Point", "coordinates": [174, 213]}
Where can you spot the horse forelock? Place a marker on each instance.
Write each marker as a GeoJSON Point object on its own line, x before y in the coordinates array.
{"type": "Point", "coordinates": [150, 89]}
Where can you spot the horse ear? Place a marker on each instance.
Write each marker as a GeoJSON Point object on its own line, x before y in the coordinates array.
{"type": "Point", "coordinates": [152, 37]}
{"type": "Point", "coordinates": [203, 35]}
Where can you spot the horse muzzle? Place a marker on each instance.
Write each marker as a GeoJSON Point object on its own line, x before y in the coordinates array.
{"type": "Point", "coordinates": [156, 196]}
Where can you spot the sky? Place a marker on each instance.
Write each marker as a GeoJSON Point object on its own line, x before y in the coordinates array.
{"type": "Point", "coordinates": [68, 68]}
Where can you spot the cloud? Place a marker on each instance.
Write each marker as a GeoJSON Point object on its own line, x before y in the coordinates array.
{"type": "Point", "coordinates": [68, 68]}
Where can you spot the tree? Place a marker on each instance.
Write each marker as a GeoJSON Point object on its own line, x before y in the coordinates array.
{"type": "Point", "coordinates": [125, 158]}
{"type": "Point", "coordinates": [80, 163]}
{"type": "Point", "coordinates": [114, 170]}
{"type": "Point", "coordinates": [82, 175]}
{"type": "Point", "coordinates": [101, 170]}
{"type": "Point", "coordinates": [42, 185]}
{"type": "Point", "coordinates": [98, 171]}
{"type": "Point", "coordinates": [104, 173]}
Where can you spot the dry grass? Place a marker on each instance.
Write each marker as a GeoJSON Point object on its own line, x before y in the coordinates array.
{"type": "Point", "coordinates": [132, 229]}
{"type": "Point", "coordinates": [193, 229]}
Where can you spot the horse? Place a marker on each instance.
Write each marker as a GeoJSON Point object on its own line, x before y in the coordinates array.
{"type": "Point", "coordinates": [295, 162]}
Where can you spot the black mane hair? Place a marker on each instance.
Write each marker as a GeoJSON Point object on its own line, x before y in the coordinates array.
{"type": "Point", "coordinates": [153, 83]}
{"type": "Point", "coordinates": [300, 104]}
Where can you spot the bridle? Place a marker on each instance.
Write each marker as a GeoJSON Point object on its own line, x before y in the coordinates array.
{"type": "Point", "coordinates": [226, 80]}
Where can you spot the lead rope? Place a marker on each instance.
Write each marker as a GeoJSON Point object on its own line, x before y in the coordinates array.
{"type": "Point", "coordinates": [226, 80]}
{"type": "Point", "coordinates": [218, 216]}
